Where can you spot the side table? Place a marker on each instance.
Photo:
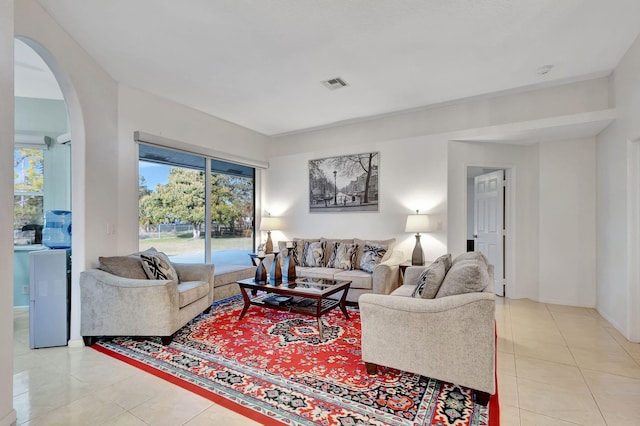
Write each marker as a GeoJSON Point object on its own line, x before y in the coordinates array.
{"type": "Point", "coordinates": [403, 267]}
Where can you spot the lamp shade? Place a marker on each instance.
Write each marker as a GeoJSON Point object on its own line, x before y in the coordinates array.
{"type": "Point", "coordinates": [270, 223]}
{"type": "Point", "coordinates": [417, 223]}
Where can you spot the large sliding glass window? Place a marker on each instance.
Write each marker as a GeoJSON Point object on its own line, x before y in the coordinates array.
{"type": "Point", "coordinates": [177, 215]}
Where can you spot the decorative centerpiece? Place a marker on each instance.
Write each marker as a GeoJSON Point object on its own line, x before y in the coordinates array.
{"type": "Point", "coordinates": [276, 272]}
{"type": "Point", "coordinates": [261, 270]}
{"type": "Point", "coordinates": [291, 263]}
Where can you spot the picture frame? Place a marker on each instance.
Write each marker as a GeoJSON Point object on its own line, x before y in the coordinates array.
{"type": "Point", "coordinates": [346, 183]}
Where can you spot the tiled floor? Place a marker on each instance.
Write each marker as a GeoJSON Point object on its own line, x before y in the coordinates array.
{"type": "Point", "coordinates": [557, 365]}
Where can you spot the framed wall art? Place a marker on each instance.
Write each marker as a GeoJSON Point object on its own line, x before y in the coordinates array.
{"type": "Point", "coordinates": [348, 183]}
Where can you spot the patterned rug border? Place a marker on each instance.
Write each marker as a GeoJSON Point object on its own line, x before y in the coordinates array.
{"type": "Point", "coordinates": [261, 414]}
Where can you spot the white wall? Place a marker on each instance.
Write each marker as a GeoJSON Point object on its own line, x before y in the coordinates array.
{"type": "Point", "coordinates": [406, 183]}
{"type": "Point", "coordinates": [141, 111]}
{"type": "Point", "coordinates": [421, 167]}
{"type": "Point", "coordinates": [91, 98]}
{"type": "Point", "coordinates": [567, 243]}
{"type": "Point", "coordinates": [7, 413]}
{"type": "Point", "coordinates": [618, 292]}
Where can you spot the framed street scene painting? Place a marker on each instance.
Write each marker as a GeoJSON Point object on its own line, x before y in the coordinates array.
{"type": "Point", "coordinates": [348, 183]}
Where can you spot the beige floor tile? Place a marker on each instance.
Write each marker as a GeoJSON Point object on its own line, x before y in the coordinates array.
{"type": "Point", "coordinates": [527, 305]}
{"type": "Point", "coordinates": [124, 419]}
{"type": "Point", "coordinates": [508, 390]}
{"type": "Point", "coordinates": [506, 363]}
{"type": "Point", "coordinates": [538, 333]}
{"type": "Point", "coordinates": [528, 418]}
{"type": "Point", "coordinates": [533, 318]}
{"type": "Point", "coordinates": [509, 415]}
{"type": "Point", "coordinates": [505, 344]}
{"type": "Point", "coordinates": [575, 310]}
{"type": "Point", "coordinates": [85, 411]}
{"type": "Point", "coordinates": [614, 360]}
{"type": "Point", "coordinates": [569, 404]}
{"type": "Point", "coordinates": [218, 415]}
{"type": "Point", "coordinates": [39, 393]}
{"type": "Point", "coordinates": [130, 393]}
{"type": "Point", "coordinates": [171, 408]}
{"type": "Point", "coordinates": [544, 351]}
{"type": "Point", "coordinates": [632, 349]}
{"type": "Point", "coordinates": [618, 397]}
{"type": "Point", "coordinates": [588, 338]}
{"type": "Point", "coordinates": [549, 372]}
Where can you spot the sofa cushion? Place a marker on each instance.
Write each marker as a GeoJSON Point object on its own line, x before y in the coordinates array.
{"type": "Point", "coordinates": [313, 254]}
{"type": "Point", "coordinates": [372, 255]}
{"type": "Point", "coordinates": [227, 274]}
{"type": "Point", "coordinates": [157, 266]}
{"type": "Point", "coordinates": [317, 272]}
{"type": "Point", "coordinates": [359, 279]}
{"type": "Point", "coordinates": [389, 243]}
{"type": "Point", "coordinates": [430, 280]}
{"type": "Point", "coordinates": [405, 290]}
{"type": "Point", "coordinates": [190, 291]}
{"type": "Point", "coordinates": [343, 256]}
{"type": "Point", "coordinates": [123, 266]}
{"type": "Point", "coordinates": [465, 276]}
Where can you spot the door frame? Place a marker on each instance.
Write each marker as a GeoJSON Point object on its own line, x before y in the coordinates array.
{"type": "Point", "coordinates": [509, 228]}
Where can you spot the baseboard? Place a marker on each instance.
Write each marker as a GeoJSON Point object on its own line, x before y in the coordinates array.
{"type": "Point", "coordinates": [75, 343]}
{"type": "Point", "coordinates": [10, 419]}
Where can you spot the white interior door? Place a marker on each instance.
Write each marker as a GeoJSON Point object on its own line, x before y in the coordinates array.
{"type": "Point", "coordinates": [489, 222]}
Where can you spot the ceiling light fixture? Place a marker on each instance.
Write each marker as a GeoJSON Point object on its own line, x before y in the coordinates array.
{"type": "Point", "coordinates": [335, 83]}
{"type": "Point", "coordinates": [544, 69]}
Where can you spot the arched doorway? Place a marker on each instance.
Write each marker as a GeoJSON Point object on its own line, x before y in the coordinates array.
{"type": "Point", "coordinates": [36, 57]}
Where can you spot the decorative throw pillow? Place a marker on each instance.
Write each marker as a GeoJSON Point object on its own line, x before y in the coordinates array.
{"type": "Point", "coordinates": [343, 256]}
{"type": "Point", "coordinates": [360, 243]}
{"type": "Point", "coordinates": [467, 276]}
{"type": "Point", "coordinates": [123, 266]}
{"type": "Point", "coordinates": [430, 280]}
{"type": "Point", "coordinates": [313, 254]}
{"type": "Point", "coordinates": [371, 256]}
{"type": "Point", "coordinates": [446, 259]}
{"type": "Point", "coordinates": [157, 266]}
{"type": "Point", "coordinates": [471, 255]}
{"type": "Point", "coordinates": [294, 251]}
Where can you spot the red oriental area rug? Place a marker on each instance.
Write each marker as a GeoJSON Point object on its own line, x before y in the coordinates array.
{"type": "Point", "coordinates": [273, 368]}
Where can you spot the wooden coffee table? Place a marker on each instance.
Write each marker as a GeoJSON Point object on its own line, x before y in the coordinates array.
{"type": "Point", "coordinates": [309, 296]}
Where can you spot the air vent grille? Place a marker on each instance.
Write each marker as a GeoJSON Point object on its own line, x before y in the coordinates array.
{"type": "Point", "coordinates": [335, 83]}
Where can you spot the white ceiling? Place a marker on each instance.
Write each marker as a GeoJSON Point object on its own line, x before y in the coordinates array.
{"type": "Point", "coordinates": [260, 63]}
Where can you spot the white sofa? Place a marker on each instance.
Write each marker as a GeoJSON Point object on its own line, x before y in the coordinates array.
{"type": "Point", "coordinates": [450, 337]}
{"type": "Point", "coordinates": [384, 275]}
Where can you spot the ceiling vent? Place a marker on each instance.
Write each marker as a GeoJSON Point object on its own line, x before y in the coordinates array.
{"type": "Point", "coordinates": [335, 83]}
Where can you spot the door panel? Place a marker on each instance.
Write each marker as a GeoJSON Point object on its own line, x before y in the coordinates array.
{"type": "Point", "coordinates": [488, 212]}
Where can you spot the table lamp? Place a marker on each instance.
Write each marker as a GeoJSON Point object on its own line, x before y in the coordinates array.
{"type": "Point", "coordinates": [417, 223]}
{"type": "Point", "coordinates": [269, 223]}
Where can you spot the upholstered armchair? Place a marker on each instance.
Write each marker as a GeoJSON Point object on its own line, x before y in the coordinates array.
{"type": "Point", "coordinates": [113, 305]}
{"type": "Point", "coordinates": [449, 338]}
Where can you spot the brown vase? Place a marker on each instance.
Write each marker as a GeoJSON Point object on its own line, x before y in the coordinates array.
{"type": "Point", "coordinates": [291, 269]}
{"type": "Point", "coordinates": [261, 272]}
